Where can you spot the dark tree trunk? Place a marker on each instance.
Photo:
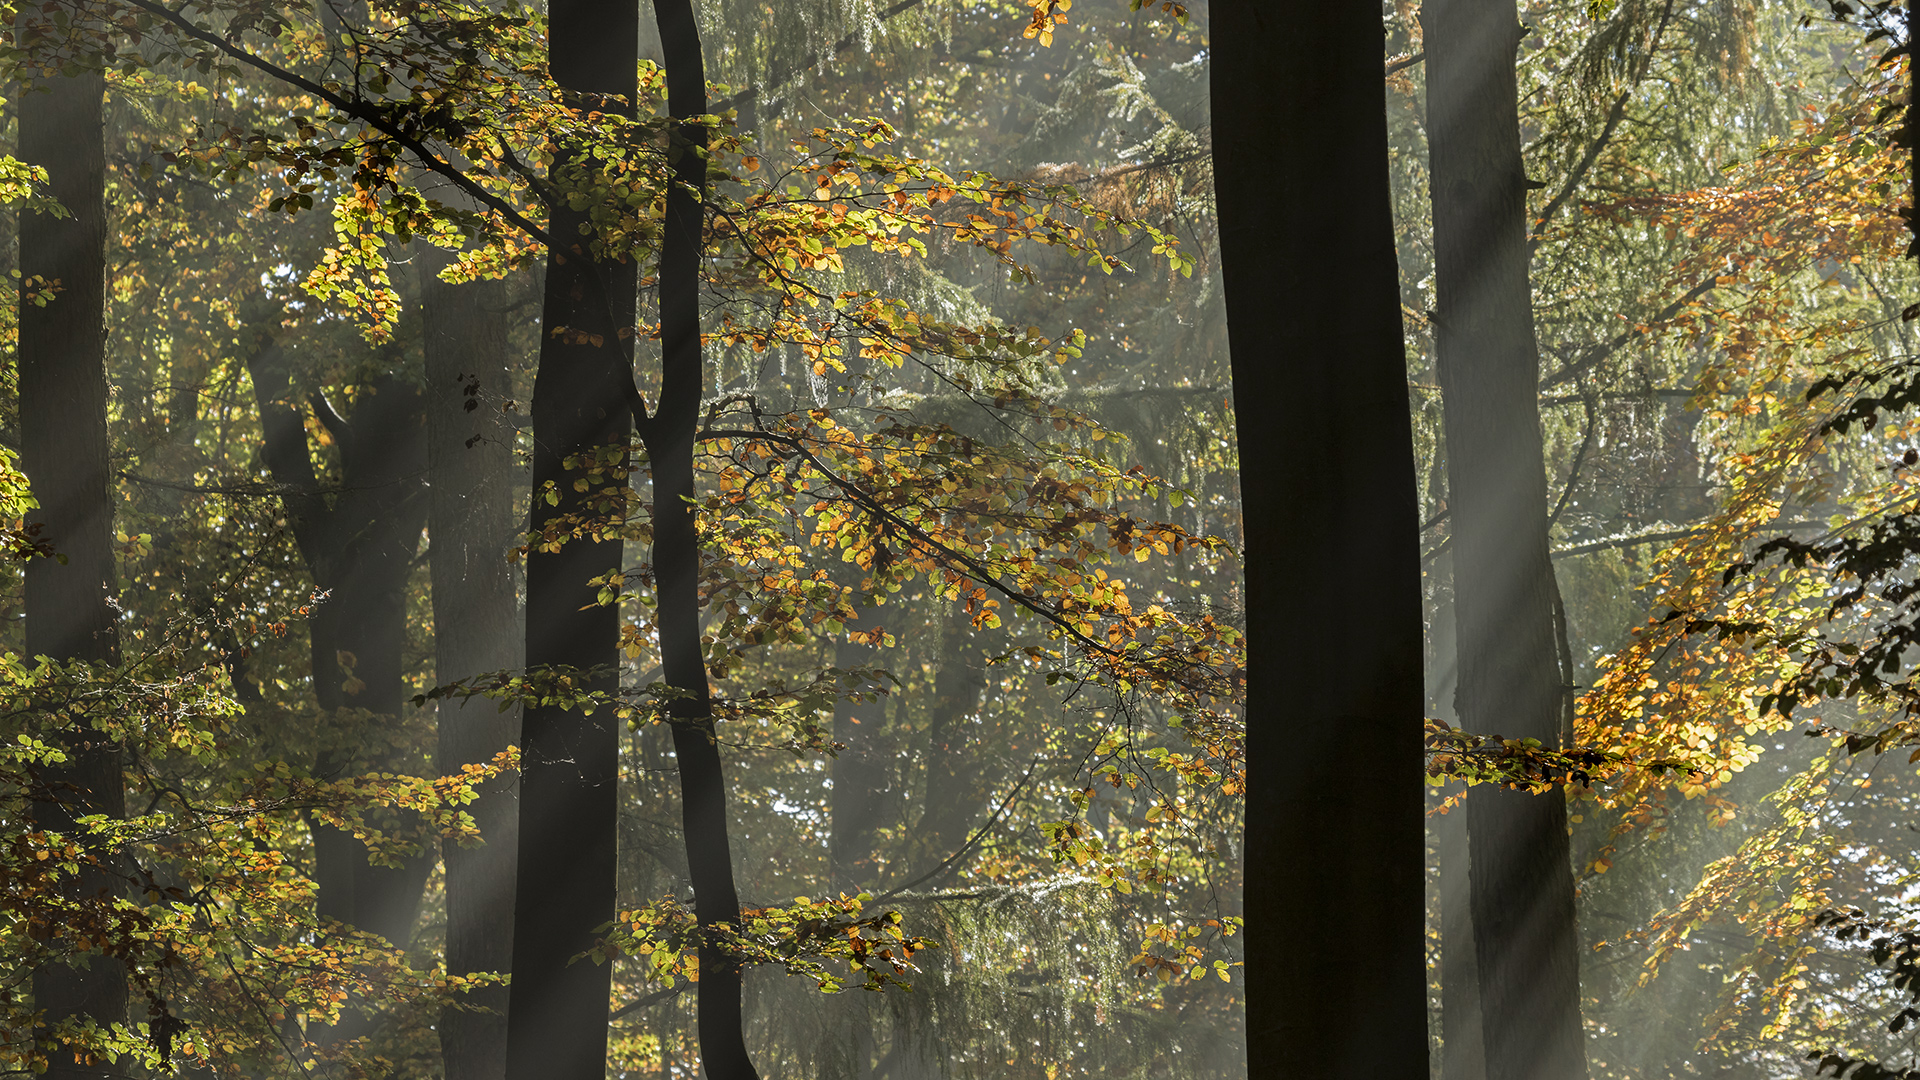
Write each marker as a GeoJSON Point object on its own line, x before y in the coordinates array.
{"type": "Point", "coordinates": [1331, 529]}
{"type": "Point", "coordinates": [669, 435]}
{"type": "Point", "coordinates": [569, 760]}
{"type": "Point", "coordinates": [64, 452]}
{"type": "Point", "coordinates": [470, 527]}
{"type": "Point", "coordinates": [1510, 678]}
{"type": "Point", "coordinates": [359, 544]}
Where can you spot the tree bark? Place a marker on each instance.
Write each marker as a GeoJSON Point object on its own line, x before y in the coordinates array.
{"type": "Point", "coordinates": [669, 437]}
{"type": "Point", "coordinates": [64, 452]}
{"type": "Point", "coordinates": [569, 758]}
{"type": "Point", "coordinates": [476, 630]}
{"type": "Point", "coordinates": [1510, 681]}
{"type": "Point", "coordinates": [1333, 630]}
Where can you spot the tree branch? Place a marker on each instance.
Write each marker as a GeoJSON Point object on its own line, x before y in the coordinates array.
{"type": "Point", "coordinates": [654, 998]}
{"type": "Point", "coordinates": [1600, 352]}
{"type": "Point", "coordinates": [358, 110]}
{"type": "Point", "coordinates": [780, 81]}
{"type": "Point", "coordinates": [331, 419]}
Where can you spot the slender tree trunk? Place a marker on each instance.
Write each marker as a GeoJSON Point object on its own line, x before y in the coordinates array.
{"type": "Point", "coordinates": [569, 759]}
{"type": "Point", "coordinates": [1510, 679]}
{"type": "Point", "coordinates": [859, 775]}
{"type": "Point", "coordinates": [359, 546]}
{"type": "Point", "coordinates": [669, 435]}
{"type": "Point", "coordinates": [476, 630]}
{"type": "Point", "coordinates": [1331, 530]}
{"type": "Point", "coordinates": [64, 452]}
{"type": "Point", "coordinates": [960, 778]}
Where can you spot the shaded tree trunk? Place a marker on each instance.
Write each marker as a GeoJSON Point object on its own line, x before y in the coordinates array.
{"type": "Point", "coordinates": [1510, 681]}
{"type": "Point", "coordinates": [569, 760]}
{"type": "Point", "coordinates": [359, 544]}
{"type": "Point", "coordinates": [1462, 1056]}
{"type": "Point", "coordinates": [64, 452]}
{"type": "Point", "coordinates": [1331, 549]}
{"type": "Point", "coordinates": [470, 527]}
{"type": "Point", "coordinates": [669, 437]}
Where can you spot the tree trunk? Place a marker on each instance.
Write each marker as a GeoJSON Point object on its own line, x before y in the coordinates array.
{"type": "Point", "coordinates": [569, 759]}
{"type": "Point", "coordinates": [859, 774]}
{"type": "Point", "coordinates": [1330, 543]}
{"type": "Point", "coordinates": [1462, 1056]}
{"type": "Point", "coordinates": [476, 630]}
{"type": "Point", "coordinates": [359, 546]}
{"type": "Point", "coordinates": [669, 435]}
{"type": "Point", "coordinates": [959, 777]}
{"type": "Point", "coordinates": [64, 452]}
{"type": "Point", "coordinates": [1510, 678]}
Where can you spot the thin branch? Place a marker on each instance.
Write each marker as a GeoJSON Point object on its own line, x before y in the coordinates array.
{"type": "Point", "coordinates": [780, 81]}
{"type": "Point", "coordinates": [1625, 542]}
{"type": "Point", "coordinates": [243, 490]}
{"type": "Point", "coordinates": [979, 571]}
{"type": "Point", "coordinates": [1405, 62]}
{"type": "Point", "coordinates": [1600, 352]}
{"type": "Point", "coordinates": [654, 998]}
{"type": "Point", "coordinates": [1681, 392]}
{"type": "Point", "coordinates": [978, 835]}
{"type": "Point", "coordinates": [1573, 474]}
{"type": "Point", "coordinates": [1614, 115]}
{"type": "Point", "coordinates": [1579, 172]}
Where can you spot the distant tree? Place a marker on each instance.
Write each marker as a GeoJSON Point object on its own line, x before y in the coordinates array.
{"type": "Point", "coordinates": [471, 532]}
{"type": "Point", "coordinates": [358, 539]}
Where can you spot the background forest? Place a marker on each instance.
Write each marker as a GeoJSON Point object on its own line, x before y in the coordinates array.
{"type": "Point", "coordinates": [732, 513]}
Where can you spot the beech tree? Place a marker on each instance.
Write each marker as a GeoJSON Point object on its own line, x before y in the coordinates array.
{"type": "Point", "coordinates": [1504, 597]}
{"type": "Point", "coordinates": [476, 630]}
{"type": "Point", "coordinates": [569, 763]}
{"type": "Point", "coordinates": [1285, 88]}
